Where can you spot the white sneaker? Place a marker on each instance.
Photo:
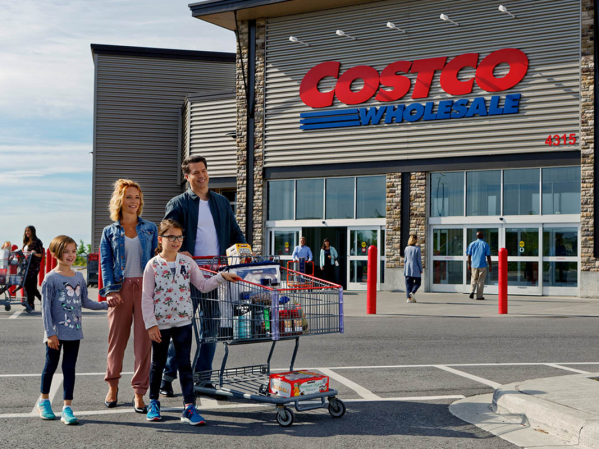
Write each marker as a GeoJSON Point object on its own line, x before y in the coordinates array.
{"type": "Point", "coordinates": [413, 297]}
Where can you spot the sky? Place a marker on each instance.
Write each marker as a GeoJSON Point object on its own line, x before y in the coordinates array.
{"type": "Point", "coordinates": [46, 99]}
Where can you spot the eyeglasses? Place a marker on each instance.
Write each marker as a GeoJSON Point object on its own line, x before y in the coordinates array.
{"type": "Point", "coordinates": [174, 238]}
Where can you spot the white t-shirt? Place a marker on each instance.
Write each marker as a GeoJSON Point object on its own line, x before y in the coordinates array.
{"type": "Point", "coordinates": [133, 253]}
{"type": "Point", "coordinates": [206, 238]}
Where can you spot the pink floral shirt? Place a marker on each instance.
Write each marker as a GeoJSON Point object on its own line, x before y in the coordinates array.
{"type": "Point", "coordinates": [166, 298]}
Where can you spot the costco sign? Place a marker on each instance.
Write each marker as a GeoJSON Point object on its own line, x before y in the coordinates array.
{"type": "Point", "coordinates": [392, 84]}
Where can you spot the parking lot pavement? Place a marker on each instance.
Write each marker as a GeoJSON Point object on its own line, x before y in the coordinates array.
{"type": "Point", "coordinates": [397, 376]}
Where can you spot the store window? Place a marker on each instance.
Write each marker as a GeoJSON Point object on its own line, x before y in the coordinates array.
{"type": "Point", "coordinates": [280, 200]}
{"type": "Point", "coordinates": [231, 195]}
{"type": "Point", "coordinates": [340, 198]}
{"type": "Point", "coordinates": [447, 194]}
{"type": "Point", "coordinates": [560, 242]}
{"type": "Point", "coordinates": [310, 199]}
{"type": "Point", "coordinates": [483, 193]}
{"type": "Point", "coordinates": [371, 198]}
{"type": "Point", "coordinates": [521, 192]}
{"type": "Point", "coordinates": [561, 190]}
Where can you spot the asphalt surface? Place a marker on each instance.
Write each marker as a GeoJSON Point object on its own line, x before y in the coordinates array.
{"type": "Point", "coordinates": [396, 393]}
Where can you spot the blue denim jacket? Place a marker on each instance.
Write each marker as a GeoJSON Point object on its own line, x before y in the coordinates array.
{"type": "Point", "coordinates": [112, 252]}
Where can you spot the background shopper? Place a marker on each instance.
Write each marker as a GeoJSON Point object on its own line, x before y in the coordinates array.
{"type": "Point", "coordinates": [328, 260]}
{"type": "Point", "coordinates": [126, 247]}
{"type": "Point", "coordinates": [34, 246]}
{"type": "Point", "coordinates": [478, 251]}
{"type": "Point", "coordinates": [412, 269]}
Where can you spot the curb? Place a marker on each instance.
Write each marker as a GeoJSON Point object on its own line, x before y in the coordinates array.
{"type": "Point", "coordinates": [571, 425]}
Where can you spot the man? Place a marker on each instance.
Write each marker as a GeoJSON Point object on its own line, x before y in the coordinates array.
{"type": "Point", "coordinates": [303, 254]}
{"type": "Point", "coordinates": [210, 228]}
{"type": "Point", "coordinates": [477, 252]}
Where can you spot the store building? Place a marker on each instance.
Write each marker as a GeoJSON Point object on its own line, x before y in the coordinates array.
{"type": "Point", "coordinates": [367, 121]}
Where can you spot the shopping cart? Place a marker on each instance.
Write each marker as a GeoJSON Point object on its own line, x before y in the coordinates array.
{"type": "Point", "coordinates": [12, 279]}
{"type": "Point", "coordinates": [248, 312]}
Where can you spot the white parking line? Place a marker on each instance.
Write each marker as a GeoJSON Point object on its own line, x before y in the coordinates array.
{"type": "Point", "coordinates": [363, 392]}
{"type": "Point", "coordinates": [218, 406]}
{"type": "Point", "coordinates": [567, 368]}
{"type": "Point", "coordinates": [488, 382]}
{"type": "Point", "coordinates": [16, 314]}
{"type": "Point", "coordinates": [56, 383]}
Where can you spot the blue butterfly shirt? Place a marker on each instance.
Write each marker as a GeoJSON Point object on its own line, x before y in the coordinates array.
{"type": "Point", "coordinates": [62, 300]}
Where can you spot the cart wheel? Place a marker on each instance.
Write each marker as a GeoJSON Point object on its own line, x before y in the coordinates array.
{"type": "Point", "coordinates": [336, 408]}
{"type": "Point", "coordinates": [288, 418]}
{"type": "Point", "coordinates": [7, 307]}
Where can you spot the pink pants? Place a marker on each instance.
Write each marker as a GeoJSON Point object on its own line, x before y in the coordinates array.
{"type": "Point", "coordinates": [119, 329]}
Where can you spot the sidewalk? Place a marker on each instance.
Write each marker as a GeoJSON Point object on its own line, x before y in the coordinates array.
{"type": "Point", "coordinates": [553, 412]}
{"type": "Point", "coordinates": [390, 304]}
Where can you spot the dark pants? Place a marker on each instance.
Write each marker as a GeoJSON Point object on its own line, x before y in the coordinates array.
{"type": "Point", "coordinates": [209, 320]}
{"type": "Point", "coordinates": [31, 290]}
{"type": "Point", "coordinates": [329, 272]}
{"type": "Point", "coordinates": [412, 285]}
{"type": "Point", "coordinates": [181, 339]}
{"type": "Point", "coordinates": [70, 351]}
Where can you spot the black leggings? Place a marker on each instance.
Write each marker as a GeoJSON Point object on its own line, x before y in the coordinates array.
{"type": "Point", "coordinates": [70, 351]}
{"type": "Point", "coordinates": [31, 290]}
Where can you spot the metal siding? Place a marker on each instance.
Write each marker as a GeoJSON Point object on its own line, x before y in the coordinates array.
{"type": "Point", "coordinates": [138, 105]}
{"type": "Point", "coordinates": [548, 31]}
{"type": "Point", "coordinates": [210, 120]}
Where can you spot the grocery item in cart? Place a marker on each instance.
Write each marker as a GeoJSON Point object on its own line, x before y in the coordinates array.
{"type": "Point", "coordinates": [297, 383]}
{"type": "Point", "coordinates": [4, 255]}
{"type": "Point", "coordinates": [3, 275]}
{"type": "Point", "coordinates": [256, 272]}
{"type": "Point", "coordinates": [239, 253]}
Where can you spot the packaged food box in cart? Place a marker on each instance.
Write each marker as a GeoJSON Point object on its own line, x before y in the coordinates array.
{"type": "Point", "coordinates": [297, 383]}
{"type": "Point", "coordinates": [239, 253]}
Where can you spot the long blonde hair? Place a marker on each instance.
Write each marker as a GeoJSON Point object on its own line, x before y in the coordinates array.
{"type": "Point", "coordinates": [413, 239]}
{"type": "Point", "coordinates": [116, 201]}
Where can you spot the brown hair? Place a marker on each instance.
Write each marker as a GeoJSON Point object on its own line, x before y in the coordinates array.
{"type": "Point", "coordinates": [324, 241]}
{"type": "Point", "coordinates": [413, 239]}
{"type": "Point", "coordinates": [192, 160]}
{"type": "Point", "coordinates": [58, 245]}
{"type": "Point", "coordinates": [165, 225]}
{"type": "Point", "coordinates": [116, 201]}
{"type": "Point", "coordinates": [33, 235]}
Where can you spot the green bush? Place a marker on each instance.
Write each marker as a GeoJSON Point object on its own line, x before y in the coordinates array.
{"type": "Point", "coordinates": [82, 251]}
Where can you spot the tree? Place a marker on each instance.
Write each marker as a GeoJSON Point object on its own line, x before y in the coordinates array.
{"type": "Point", "coordinates": [82, 251]}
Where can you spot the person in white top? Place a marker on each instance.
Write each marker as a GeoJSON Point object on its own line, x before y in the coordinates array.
{"type": "Point", "coordinates": [210, 228]}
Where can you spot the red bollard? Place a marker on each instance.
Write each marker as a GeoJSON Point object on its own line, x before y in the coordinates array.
{"type": "Point", "coordinates": [100, 283]}
{"type": "Point", "coordinates": [42, 273]}
{"type": "Point", "coordinates": [48, 261]}
{"type": "Point", "coordinates": [502, 281]}
{"type": "Point", "coordinates": [371, 278]}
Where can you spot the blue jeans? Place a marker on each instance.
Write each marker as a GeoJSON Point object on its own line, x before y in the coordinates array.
{"type": "Point", "coordinates": [412, 285]}
{"type": "Point", "coordinates": [70, 351]}
{"type": "Point", "coordinates": [180, 340]}
{"type": "Point", "coordinates": [209, 319]}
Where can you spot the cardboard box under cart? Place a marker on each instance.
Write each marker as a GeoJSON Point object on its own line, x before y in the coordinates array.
{"type": "Point", "coordinates": [297, 383]}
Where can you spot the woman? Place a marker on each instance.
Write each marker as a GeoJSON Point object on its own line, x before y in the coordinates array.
{"type": "Point", "coordinates": [35, 247]}
{"type": "Point", "coordinates": [126, 247]}
{"type": "Point", "coordinates": [328, 260]}
{"type": "Point", "coordinates": [412, 269]}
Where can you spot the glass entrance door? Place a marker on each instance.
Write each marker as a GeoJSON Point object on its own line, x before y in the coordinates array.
{"type": "Point", "coordinates": [283, 241]}
{"type": "Point", "coordinates": [523, 260]}
{"type": "Point", "coordinates": [554, 270]}
{"type": "Point", "coordinates": [359, 240]}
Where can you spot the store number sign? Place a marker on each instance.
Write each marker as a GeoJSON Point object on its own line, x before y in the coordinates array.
{"type": "Point", "coordinates": [392, 84]}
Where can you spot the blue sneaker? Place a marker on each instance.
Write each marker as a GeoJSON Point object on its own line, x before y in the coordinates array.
{"type": "Point", "coordinates": [67, 416]}
{"type": "Point", "coordinates": [45, 409]}
{"type": "Point", "coordinates": [154, 411]}
{"type": "Point", "coordinates": [192, 417]}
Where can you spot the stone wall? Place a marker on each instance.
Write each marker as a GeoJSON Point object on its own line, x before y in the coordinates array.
{"type": "Point", "coordinates": [242, 142]}
{"type": "Point", "coordinates": [587, 138]}
{"type": "Point", "coordinates": [393, 224]}
{"type": "Point", "coordinates": [418, 210]}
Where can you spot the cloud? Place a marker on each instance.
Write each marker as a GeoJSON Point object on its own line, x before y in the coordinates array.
{"type": "Point", "coordinates": [46, 99]}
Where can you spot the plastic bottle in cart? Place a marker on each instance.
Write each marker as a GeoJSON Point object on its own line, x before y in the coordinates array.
{"type": "Point", "coordinates": [4, 253]}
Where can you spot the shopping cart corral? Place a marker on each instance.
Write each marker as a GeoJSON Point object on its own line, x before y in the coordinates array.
{"type": "Point", "coordinates": [264, 308]}
{"type": "Point", "coordinates": [13, 273]}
